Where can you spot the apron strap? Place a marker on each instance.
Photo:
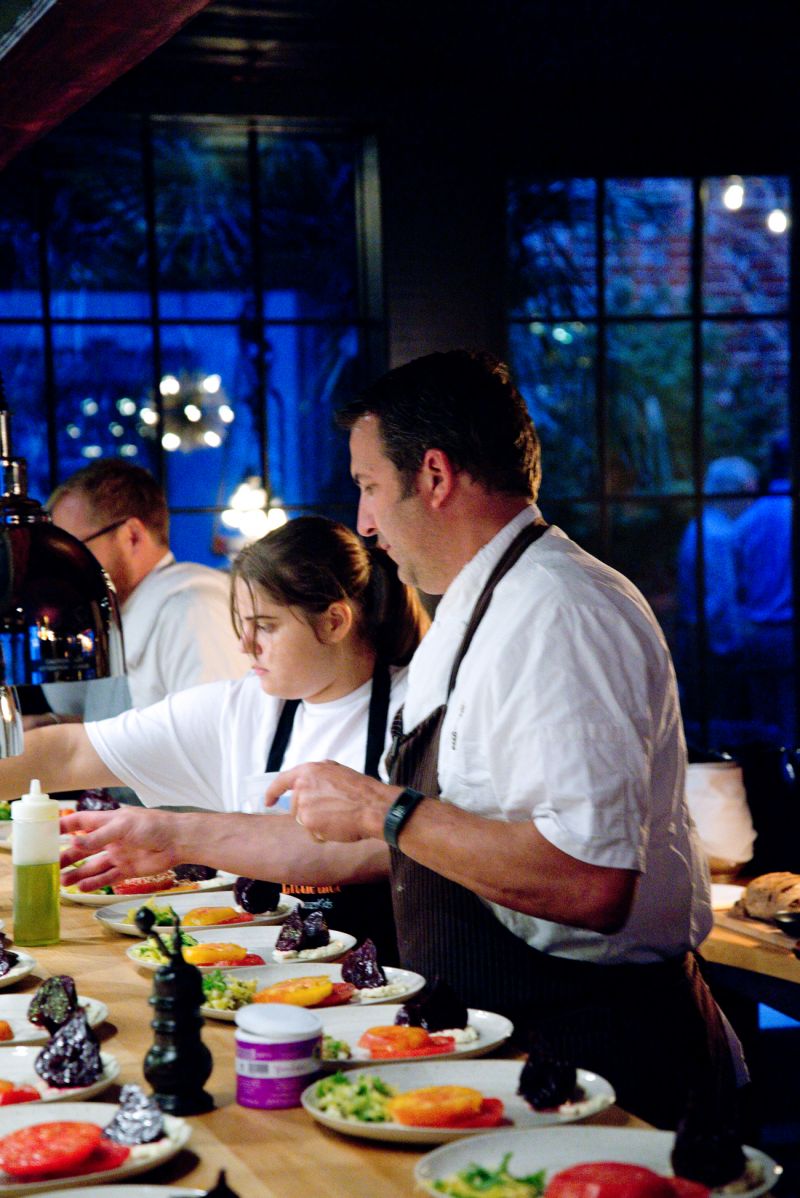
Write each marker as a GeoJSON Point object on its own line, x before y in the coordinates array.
{"type": "Point", "coordinates": [280, 740]}
{"type": "Point", "coordinates": [529, 534]}
{"type": "Point", "coordinates": [376, 724]}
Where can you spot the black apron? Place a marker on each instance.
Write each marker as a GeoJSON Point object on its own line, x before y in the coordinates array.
{"type": "Point", "coordinates": [654, 1031]}
{"type": "Point", "coordinates": [364, 909]}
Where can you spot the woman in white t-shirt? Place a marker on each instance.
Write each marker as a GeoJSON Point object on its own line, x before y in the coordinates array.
{"type": "Point", "coordinates": [329, 629]}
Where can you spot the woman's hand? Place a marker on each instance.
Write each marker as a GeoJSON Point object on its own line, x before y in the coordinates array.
{"type": "Point", "coordinates": [334, 802]}
{"type": "Point", "coordinates": [112, 845]}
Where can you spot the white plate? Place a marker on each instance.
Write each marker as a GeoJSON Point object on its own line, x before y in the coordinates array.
{"type": "Point", "coordinates": [89, 898]}
{"type": "Point", "coordinates": [14, 1009]}
{"type": "Point", "coordinates": [495, 1079]}
{"type": "Point", "coordinates": [724, 895]}
{"type": "Point", "coordinates": [255, 940]}
{"type": "Point", "coordinates": [142, 1157]}
{"type": "Point", "coordinates": [133, 1191]}
{"type": "Point", "coordinates": [267, 975]}
{"type": "Point", "coordinates": [17, 1066]}
{"type": "Point", "coordinates": [554, 1149]}
{"type": "Point", "coordinates": [349, 1023]}
{"type": "Point", "coordinates": [23, 967]}
{"type": "Point", "coordinates": [113, 917]}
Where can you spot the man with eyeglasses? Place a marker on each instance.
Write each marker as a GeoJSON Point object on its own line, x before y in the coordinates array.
{"type": "Point", "coordinates": [175, 615]}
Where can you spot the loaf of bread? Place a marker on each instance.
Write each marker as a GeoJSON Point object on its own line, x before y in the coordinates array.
{"type": "Point", "coordinates": [769, 893]}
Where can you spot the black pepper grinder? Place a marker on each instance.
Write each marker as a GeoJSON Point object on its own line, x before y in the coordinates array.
{"type": "Point", "coordinates": [179, 1063]}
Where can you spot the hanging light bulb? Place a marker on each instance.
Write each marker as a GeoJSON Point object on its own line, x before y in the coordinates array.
{"type": "Point", "coordinates": [777, 221]}
{"type": "Point", "coordinates": [733, 195]}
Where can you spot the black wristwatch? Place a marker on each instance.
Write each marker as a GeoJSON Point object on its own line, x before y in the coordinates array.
{"type": "Point", "coordinates": [401, 809]}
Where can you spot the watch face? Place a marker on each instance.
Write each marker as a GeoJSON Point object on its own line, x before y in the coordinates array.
{"type": "Point", "coordinates": [399, 812]}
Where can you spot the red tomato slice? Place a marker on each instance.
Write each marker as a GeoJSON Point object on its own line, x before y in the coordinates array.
{"type": "Point", "coordinates": [342, 992]}
{"type": "Point", "coordinates": [19, 1094]}
{"type": "Point", "coordinates": [47, 1148]}
{"type": "Point", "coordinates": [242, 917]}
{"type": "Point", "coordinates": [684, 1188]}
{"type": "Point", "coordinates": [163, 881]}
{"type": "Point", "coordinates": [492, 1114]}
{"type": "Point", "coordinates": [247, 959]}
{"type": "Point", "coordinates": [107, 1155]}
{"type": "Point", "coordinates": [437, 1045]}
{"type": "Point", "coordinates": [608, 1179]}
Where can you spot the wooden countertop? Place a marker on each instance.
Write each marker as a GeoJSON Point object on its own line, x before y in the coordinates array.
{"type": "Point", "coordinates": [728, 947]}
{"type": "Point", "coordinates": [266, 1154]}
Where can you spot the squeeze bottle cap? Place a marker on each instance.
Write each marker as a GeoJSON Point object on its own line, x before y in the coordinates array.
{"type": "Point", "coordinates": [34, 806]}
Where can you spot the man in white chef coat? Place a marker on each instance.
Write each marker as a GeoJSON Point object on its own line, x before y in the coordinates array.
{"type": "Point", "coordinates": [544, 860]}
{"type": "Point", "coordinates": [175, 615]}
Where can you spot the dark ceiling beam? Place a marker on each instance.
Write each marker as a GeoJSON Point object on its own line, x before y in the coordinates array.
{"type": "Point", "coordinates": [73, 52]}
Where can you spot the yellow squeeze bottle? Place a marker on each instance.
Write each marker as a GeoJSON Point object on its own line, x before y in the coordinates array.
{"type": "Point", "coordinates": [35, 854]}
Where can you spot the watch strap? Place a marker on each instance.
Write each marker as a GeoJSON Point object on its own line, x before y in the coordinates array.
{"type": "Point", "coordinates": [400, 811]}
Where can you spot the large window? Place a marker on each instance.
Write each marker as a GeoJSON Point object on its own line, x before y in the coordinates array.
{"type": "Point", "coordinates": [649, 330]}
{"type": "Point", "coordinates": [197, 296]}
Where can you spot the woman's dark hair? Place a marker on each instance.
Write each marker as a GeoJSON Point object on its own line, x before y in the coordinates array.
{"type": "Point", "coordinates": [312, 562]}
{"type": "Point", "coordinates": [463, 403]}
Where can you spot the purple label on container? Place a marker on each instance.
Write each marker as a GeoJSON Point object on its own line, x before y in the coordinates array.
{"type": "Point", "coordinates": [275, 1075]}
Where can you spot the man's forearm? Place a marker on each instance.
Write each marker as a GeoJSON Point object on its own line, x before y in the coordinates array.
{"type": "Point", "coordinates": [514, 865]}
{"type": "Point", "coordinates": [275, 848]}
{"type": "Point", "coordinates": [61, 757]}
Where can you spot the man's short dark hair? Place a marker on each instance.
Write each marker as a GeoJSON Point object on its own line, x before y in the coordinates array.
{"type": "Point", "coordinates": [116, 489]}
{"type": "Point", "coordinates": [463, 403]}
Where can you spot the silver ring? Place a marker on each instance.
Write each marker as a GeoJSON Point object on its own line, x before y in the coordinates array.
{"type": "Point", "coordinates": [298, 820]}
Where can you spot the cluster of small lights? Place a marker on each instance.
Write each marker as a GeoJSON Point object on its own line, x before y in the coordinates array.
{"type": "Point", "coordinates": [149, 417]}
{"type": "Point", "coordinates": [733, 197]}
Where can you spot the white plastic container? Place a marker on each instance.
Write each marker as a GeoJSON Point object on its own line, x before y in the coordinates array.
{"type": "Point", "coordinates": [278, 1050]}
{"type": "Point", "coordinates": [35, 855]}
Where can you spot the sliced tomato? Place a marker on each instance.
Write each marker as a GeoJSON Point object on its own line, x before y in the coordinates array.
{"type": "Point", "coordinates": [10, 1093]}
{"type": "Point", "coordinates": [44, 1149]}
{"type": "Point", "coordinates": [436, 1106]}
{"type": "Point", "coordinates": [6, 1030]}
{"type": "Point", "coordinates": [247, 959]}
{"type": "Point", "coordinates": [200, 917]}
{"type": "Point", "coordinates": [298, 992]}
{"type": "Point", "coordinates": [491, 1114]}
{"type": "Point", "coordinates": [214, 953]}
{"type": "Point", "coordinates": [342, 993]}
{"type": "Point", "coordinates": [388, 1043]}
{"type": "Point", "coordinates": [608, 1179]}
{"type": "Point", "coordinates": [106, 1155]}
{"type": "Point", "coordinates": [163, 881]}
{"type": "Point", "coordinates": [684, 1188]}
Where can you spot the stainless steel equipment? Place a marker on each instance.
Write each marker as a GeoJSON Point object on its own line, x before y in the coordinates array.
{"type": "Point", "coordinates": [59, 618]}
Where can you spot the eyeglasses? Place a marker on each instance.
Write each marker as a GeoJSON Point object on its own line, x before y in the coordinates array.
{"type": "Point", "coordinates": [101, 532]}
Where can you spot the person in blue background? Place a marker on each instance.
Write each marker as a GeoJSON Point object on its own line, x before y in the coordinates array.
{"type": "Point", "coordinates": [735, 479]}
{"type": "Point", "coordinates": [764, 567]}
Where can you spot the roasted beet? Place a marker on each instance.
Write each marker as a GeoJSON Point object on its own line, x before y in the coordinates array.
{"type": "Point", "coordinates": [194, 873]}
{"type": "Point", "coordinates": [8, 958]}
{"type": "Point", "coordinates": [291, 934]}
{"type": "Point", "coordinates": [706, 1151]}
{"type": "Point", "coordinates": [360, 967]}
{"type": "Point", "coordinates": [72, 1058]}
{"type": "Point", "coordinates": [255, 897]}
{"type": "Point", "coordinates": [96, 800]}
{"type": "Point", "coordinates": [316, 933]}
{"type": "Point", "coordinates": [547, 1079]}
{"type": "Point", "coordinates": [303, 930]}
{"type": "Point", "coordinates": [138, 1120]}
{"type": "Point", "coordinates": [435, 1008]}
{"type": "Point", "coordinates": [54, 1002]}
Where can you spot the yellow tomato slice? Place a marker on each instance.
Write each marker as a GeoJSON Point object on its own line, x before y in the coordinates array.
{"type": "Point", "coordinates": [198, 917]}
{"type": "Point", "coordinates": [207, 954]}
{"type": "Point", "coordinates": [395, 1036]}
{"type": "Point", "coordinates": [299, 992]}
{"type": "Point", "coordinates": [435, 1106]}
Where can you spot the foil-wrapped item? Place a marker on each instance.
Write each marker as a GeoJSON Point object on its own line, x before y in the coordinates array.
{"type": "Point", "coordinates": [139, 1119]}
